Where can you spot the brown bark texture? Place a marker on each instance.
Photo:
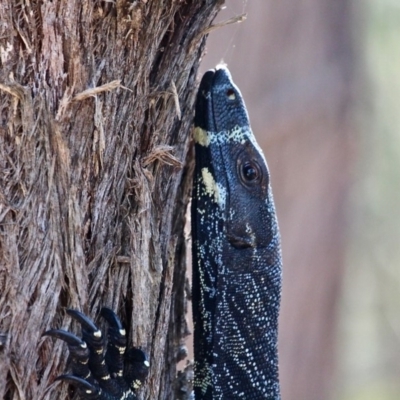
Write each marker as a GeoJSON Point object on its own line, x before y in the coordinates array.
{"type": "Point", "coordinates": [96, 103]}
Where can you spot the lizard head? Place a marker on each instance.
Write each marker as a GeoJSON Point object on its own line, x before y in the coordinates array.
{"type": "Point", "coordinates": [237, 175]}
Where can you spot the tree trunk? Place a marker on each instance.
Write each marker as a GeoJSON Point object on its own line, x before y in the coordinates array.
{"type": "Point", "coordinates": [96, 101]}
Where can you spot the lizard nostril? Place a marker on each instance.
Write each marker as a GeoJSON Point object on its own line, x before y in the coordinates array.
{"type": "Point", "coordinates": [231, 94]}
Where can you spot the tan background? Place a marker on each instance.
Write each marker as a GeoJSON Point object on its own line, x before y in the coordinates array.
{"type": "Point", "coordinates": [321, 80]}
{"type": "Point", "coordinates": [293, 62]}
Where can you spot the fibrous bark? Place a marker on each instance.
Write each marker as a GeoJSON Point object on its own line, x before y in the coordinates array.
{"type": "Point", "coordinates": [96, 101]}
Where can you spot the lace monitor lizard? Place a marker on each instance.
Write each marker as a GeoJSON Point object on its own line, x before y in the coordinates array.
{"type": "Point", "coordinates": [236, 270]}
{"type": "Point", "coordinates": [236, 251]}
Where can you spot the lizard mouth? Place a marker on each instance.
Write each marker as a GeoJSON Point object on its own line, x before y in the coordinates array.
{"type": "Point", "coordinates": [204, 112]}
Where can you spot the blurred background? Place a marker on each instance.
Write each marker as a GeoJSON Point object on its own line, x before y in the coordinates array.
{"type": "Point", "coordinates": [321, 80]}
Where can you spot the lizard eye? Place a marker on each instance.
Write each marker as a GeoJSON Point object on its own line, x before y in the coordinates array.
{"type": "Point", "coordinates": [230, 93]}
{"type": "Point", "coordinates": [250, 172]}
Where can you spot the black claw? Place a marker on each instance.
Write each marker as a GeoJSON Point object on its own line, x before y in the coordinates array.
{"type": "Point", "coordinates": [79, 383]}
{"type": "Point", "coordinates": [68, 337]}
{"type": "Point", "coordinates": [137, 355]}
{"type": "Point", "coordinates": [102, 369]}
{"type": "Point", "coordinates": [138, 364]}
{"type": "Point", "coordinates": [86, 322]}
{"type": "Point", "coordinates": [111, 318]}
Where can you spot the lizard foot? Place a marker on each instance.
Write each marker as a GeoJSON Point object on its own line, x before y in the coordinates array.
{"type": "Point", "coordinates": [102, 370]}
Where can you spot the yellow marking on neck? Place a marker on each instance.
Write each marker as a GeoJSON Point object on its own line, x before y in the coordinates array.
{"type": "Point", "coordinates": [210, 185]}
{"type": "Point", "coordinates": [201, 137]}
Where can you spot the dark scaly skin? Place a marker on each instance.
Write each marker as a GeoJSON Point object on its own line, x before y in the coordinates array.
{"type": "Point", "coordinates": [100, 370]}
{"type": "Point", "coordinates": [236, 252]}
